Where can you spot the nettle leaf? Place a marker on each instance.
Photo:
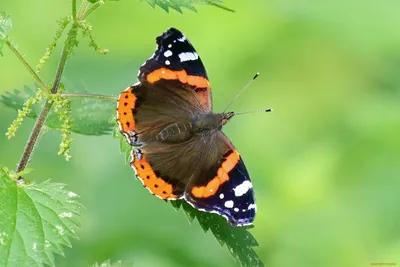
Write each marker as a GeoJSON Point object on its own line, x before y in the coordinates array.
{"type": "Point", "coordinates": [89, 116]}
{"type": "Point", "coordinates": [5, 25]}
{"type": "Point", "coordinates": [115, 264]}
{"type": "Point", "coordinates": [5, 29]}
{"type": "Point", "coordinates": [239, 240]}
{"type": "Point", "coordinates": [95, 1]}
{"type": "Point", "coordinates": [124, 146]}
{"type": "Point", "coordinates": [189, 4]}
{"type": "Point", "coordinates": [1, 47]}
{"type": "Point", "coordinates": [36, 221]}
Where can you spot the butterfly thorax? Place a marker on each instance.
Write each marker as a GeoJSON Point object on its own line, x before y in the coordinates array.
{"type": "Point", "coordinates": [199, 124]}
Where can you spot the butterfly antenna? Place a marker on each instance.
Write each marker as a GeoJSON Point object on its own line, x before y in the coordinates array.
{"type": "Point", "coordinates": [254, 111]}
{"type": "Point", "coordinates": [241, 91]}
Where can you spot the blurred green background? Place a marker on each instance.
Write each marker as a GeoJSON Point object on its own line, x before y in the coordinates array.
{"type": "Point", "coordinates": [325, 163]}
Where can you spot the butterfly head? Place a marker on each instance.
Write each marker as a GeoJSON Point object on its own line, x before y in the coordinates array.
{"type": "Point", "coordinates": [225, 117]}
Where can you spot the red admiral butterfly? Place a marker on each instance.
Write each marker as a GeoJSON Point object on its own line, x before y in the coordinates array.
{"type": "Point", "coordinates": [179, 148]}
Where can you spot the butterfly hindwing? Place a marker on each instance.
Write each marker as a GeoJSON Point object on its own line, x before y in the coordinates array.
{"type": "Point", "coordinates": [223, 185]}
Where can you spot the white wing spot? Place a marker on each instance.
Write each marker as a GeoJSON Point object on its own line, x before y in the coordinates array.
{"type": "Point", "coordinates": [221, 196]}
{"type": "Point", "coordinates": [167, 62]}
{"type": "Point", "coordinates": [243, 188]}
{"type": "Point", "coordinates": [229, 204]}
{"type": "Point", "coordinates": [236, 209]}
{"type": "Point", "coordinates": [182, 39]}
{"type": "Point", "coordinates": [186, 56]}
{"type": "Point", "coordinates": [170, 45]}
{"type": "Point", "coordinates": [168, 53]}
{"type": "Point", "coordinates": [252, 206]}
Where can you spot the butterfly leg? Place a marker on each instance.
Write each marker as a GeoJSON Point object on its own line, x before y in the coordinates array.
{"type": "Point", "coordinates": [132, 138]}
{"type": "Point", "coordinates": [137, 153]}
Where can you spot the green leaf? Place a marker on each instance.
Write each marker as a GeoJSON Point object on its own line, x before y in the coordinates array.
{"type": "Point", "coordinates": [115, 264]}
{"type": "Point", "coordinates": [1, 47]}
{"type": "Point", "coordinates": [95, 1]}
{"type": "Point", "coordinates": [5, 25]}
{"type": "Point", "coordinates": [124, 146]}
{"type": "Point", "coordinates": [5, 29]}
{"type": "Point", "coordinates": [239, 240]}
{"type": "Point", "coordinates": [36, 221]}
{"type": "Point", "coordinates": [24, 172]}
{"type": "Point", "coordinates": [89, 116]}
{"type": "Point", "coordinates": [189, 4]}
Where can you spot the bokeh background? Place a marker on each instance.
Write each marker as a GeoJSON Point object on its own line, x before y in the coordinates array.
{"type": "Point", "coordinates": [325, 164]}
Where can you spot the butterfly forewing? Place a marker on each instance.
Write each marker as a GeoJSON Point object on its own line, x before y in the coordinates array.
{"type": "Point", "coordinates": [176, 60]}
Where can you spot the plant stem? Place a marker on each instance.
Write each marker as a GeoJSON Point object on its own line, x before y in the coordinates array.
{"type": "Point", "coordinates": [92, 8]}
{"type": "Point", "coordinates": [68, 47]}
{"type": "Point", "coordinates": [26, 64]}
{"type": "Point", "coordinates": [97, 96]}
{"type": "Point", "coordinates": [82, 10]}
{"type": "Point", "coordinates": [74, 9]}
{"type": "Point", "coordinates": [33, 137]}
{"type": "Point", "coordinates": [69, 44]}
{"type": "Point", "coordinates": [64, 55]}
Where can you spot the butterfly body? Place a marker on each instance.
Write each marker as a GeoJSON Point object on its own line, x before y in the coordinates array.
{"type": "Point", "coordinates": [179, 149]}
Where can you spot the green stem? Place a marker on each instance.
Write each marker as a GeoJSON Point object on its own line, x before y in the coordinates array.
{"type": "Point", "coordinates": [91, 9]}
{"type": "Point", "coordinates": [82, 10]}
{"type": "Point", "coordinates": [33, 137]}
{"type": "Point", "coordinates": [96, 96]}
{"type": "Point", "coordinates": [74, 9]}
{"type": "Point", "coordinates": [26, 64]}
{"type": "Point", "coordinates": [67, 50]}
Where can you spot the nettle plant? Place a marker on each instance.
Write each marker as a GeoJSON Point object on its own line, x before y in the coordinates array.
{"type": "Point", "coordinates": [38, 219]}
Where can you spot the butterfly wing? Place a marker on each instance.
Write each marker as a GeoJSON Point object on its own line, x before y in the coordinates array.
{"type": "Point", "coordinates": [206, 170]}
{"type": "Point", "coordinates": [222, 184]}
{"type": "Point", "coordinates": [142, 111]}
{"type": "Point", "coordinates": [173, 86]}
{"type": "Point", "coordinates": [176, 63]}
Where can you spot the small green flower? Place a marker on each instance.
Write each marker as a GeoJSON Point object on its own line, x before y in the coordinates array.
{"type": "Point", "coordinates": [26, 109]}
{"type": "Point", "coordinates": [66, 140]}
{"type": "Point", "coordinates": [62, 24]}
{"type": "Point", "coordinates": [87, 32]}
{"type": "Point", "coordinates": [62, 106]}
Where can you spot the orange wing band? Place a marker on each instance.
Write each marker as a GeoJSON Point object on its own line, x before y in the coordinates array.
{"type": "Point", "coordinates": [222, 176]}
{"type": "Point", "coordinates": [126, 105]}
{"type": "Point", "coordinates": [181, 75]}
{"type": "Point", "coordinates": [154, 184]}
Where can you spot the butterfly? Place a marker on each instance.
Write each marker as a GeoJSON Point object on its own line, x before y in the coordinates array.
{"type": "Point", "coordinates": [179, 150]}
